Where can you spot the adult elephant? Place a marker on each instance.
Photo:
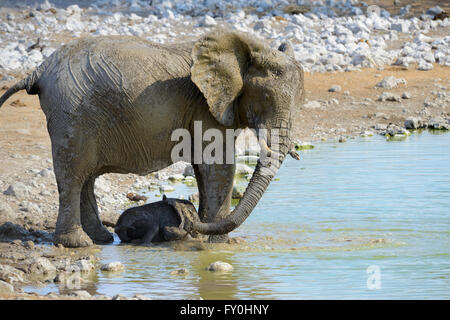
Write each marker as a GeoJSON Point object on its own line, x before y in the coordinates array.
{"type": "Point", "coordinates": [112, 103]}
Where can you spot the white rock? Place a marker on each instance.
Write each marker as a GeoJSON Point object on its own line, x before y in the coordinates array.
{"type": "Point", "coordinates": [207, 21]}
{"type": "Point", "coordinates": [243, 169]}
{"type": "Point", "coordinates": [138, 296]}
{"type": "Point", "coordinates": [220, 266]}
{"type": "Point", "coordinates": [388, 96]}
{"type": "Point", "coordinates": [6, 287]}
{"type": "Point", "coordinates": [176, 177]}
{"type": "Point", "coordinates": [102, 185]}
{"type": "Point", "coordinates": [46, 5]}
{"type": "Point", "coordinates": [189, 179]}
{"type": "Point", "coordinates": [82, 266]}
{"type": "Point", "coordinates": [406, 95]}
{"type": "Point", "coordinates": [412, 123]}
{"type": "Point", "coordinates": [425, 66]}
{"type": "Point", "coordinates": [11, 274]}
{"type": "Point", "coordinates": [335, 88]}
{"type": "Point", "coordinates": [82, 294]}
{"type": "Point", "coordinates": [312, 105]}
{"type": "Point", "coordinates": [189, 171]}
{"type": "Point", "coordinates": [18, 190]}
{"type": "Point", "coordinates": [334, 101]}
{"type": "Point", "coordinates": [401, 26]}
{"type": "Point", "coordinates": [434, 11]}
{"type": "Point", "coordinates": [166, 188]}
{"type": "Point", "coordinates": [113, 267]}
{"type": "Point", "coordinates": [46, 173]}
{"type": "Point", "coordinates": [380, 126]}
{"type": "Point", "coordinates": [41, 265]}
{"type": "Point", "coordinates": [390, 82]}
{"type": "Point", "coordinates": [119, 296]}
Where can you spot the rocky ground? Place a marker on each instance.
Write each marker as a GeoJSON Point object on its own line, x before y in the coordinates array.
{"type": "Point", "coordinates": [365, 75]}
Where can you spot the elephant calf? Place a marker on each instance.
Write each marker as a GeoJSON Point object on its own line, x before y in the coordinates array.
{"type": "Point", "coordinates": [156, 222]}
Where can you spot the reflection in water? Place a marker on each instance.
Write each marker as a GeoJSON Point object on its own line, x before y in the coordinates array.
{"type": "Point", "coordinates": [341, 209]}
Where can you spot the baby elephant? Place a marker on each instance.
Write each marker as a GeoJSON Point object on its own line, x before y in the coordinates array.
{"type": "Point", "coordinates": [156, 222]}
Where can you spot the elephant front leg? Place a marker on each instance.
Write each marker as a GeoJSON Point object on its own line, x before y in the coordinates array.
{"type": "Point", "coordinates": [173, 234]}
{"type": "Point", "coordinates": [90, 219]}
{"type": "Point", "coordinates": [215, 186]}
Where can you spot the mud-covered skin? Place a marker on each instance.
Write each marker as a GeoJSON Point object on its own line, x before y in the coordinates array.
{"type": "Point", "coordinates": [156, 222]}
{"type": "Point", "coordinates": [112, 103]}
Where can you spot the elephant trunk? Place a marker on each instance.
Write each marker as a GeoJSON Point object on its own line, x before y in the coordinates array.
{"type": "Point", "coordinates": [266, 169]}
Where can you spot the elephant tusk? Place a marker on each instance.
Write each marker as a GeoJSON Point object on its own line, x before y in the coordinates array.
{"type": "Point", "coordinates": [294, 154]}
{"type": "Point", "coordinates": [265, 147]}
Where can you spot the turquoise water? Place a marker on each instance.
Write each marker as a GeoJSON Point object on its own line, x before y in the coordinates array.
{"type": "Point", "coordinates": [341, 209]}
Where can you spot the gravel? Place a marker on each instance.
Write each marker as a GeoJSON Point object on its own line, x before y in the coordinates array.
{"type": "Point", "coordinates": [330, 36]}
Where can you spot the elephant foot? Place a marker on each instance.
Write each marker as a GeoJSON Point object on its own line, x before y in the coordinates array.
{"type": "Point", "coordinates": [75, 238]}
{"type": "Point", "coordinates": [221, 238]}
{"type": "Point", "coordinates": [100, 235]}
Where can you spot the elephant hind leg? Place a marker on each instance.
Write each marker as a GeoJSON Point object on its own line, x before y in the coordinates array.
{"type": "Point", "coordinates": [68, 231]}
{"type": "Point", "coordinates": [73, 161]}
{"type": "Point", "coordinates": [90, 219]}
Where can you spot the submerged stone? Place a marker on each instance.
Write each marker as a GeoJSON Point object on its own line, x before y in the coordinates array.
{"type": "Point", "coordinates": [220, 266]}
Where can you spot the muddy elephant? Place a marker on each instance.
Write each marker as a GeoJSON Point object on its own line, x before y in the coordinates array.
{"type": "Point", "coordinates": [156, 222]}
{"type": "Point", "coordinates": [112, 103]}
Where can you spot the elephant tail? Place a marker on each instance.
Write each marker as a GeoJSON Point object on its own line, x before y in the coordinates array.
{"type": "Point", "coordinates": [29, 83]}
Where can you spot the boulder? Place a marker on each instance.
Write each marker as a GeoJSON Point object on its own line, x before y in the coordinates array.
{"type": "Point", "coordinates": [113, 267]}
{"type": "Point", "coordinates": [312, 105]}
{"type": "Point", "coordinates": [82, 294]}
{"type": "Point", "coordinates": [220, 266]}
{"type": "Point", "coordinates": [438, 123]}
{"type": "Point", "coordinates": [41, 265]}
{"type": "Point", "coordinates": [238, 192]}
{"type": "Point", "coordinates": [11, 275]}
{"type": "Point", "coordinates": [390, 82]}
{"type": "Point", "coordinates": [335, 88]}
{"type": "Point", "coordinates": [425, 66]}
{"type": "Point", "coordinates": [388, 96]}
{"type": "Point", "coordinates": [109, 218]}
{"type": "Point", "coordinates": [413, 123]}
{"type": "Point", "coordinates": [166, 188]}
{"type": "Point", "coordinates": [406, 95]}
{"type": "Point", "coordinates": [189, 171]}
{"type": "Point", "coordinates": [180, 272]}
{"type": "Point", "coordinates": [243, 169]}
{"type": "Point", "coordinates": [6, 287]}
{"type": "Point", "coordinates": [83, 266]}
{"type": "Point", "coordinates": [18, 190]}
{"type": "Point", "coordinates": [207, 21]}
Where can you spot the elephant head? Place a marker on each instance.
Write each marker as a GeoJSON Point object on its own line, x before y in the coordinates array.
{"type": "Point", "coordinates": [248, 84]}
{"type": "Point", "coordinates": [185, 210]}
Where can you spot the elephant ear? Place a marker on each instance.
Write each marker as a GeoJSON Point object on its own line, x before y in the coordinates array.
{"type": "Point", "coordinates": [220, 61]}
{"type": "Point", "coordinates": [184, 208]}
{"type": "Point", "coordinates": [174, 203]}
